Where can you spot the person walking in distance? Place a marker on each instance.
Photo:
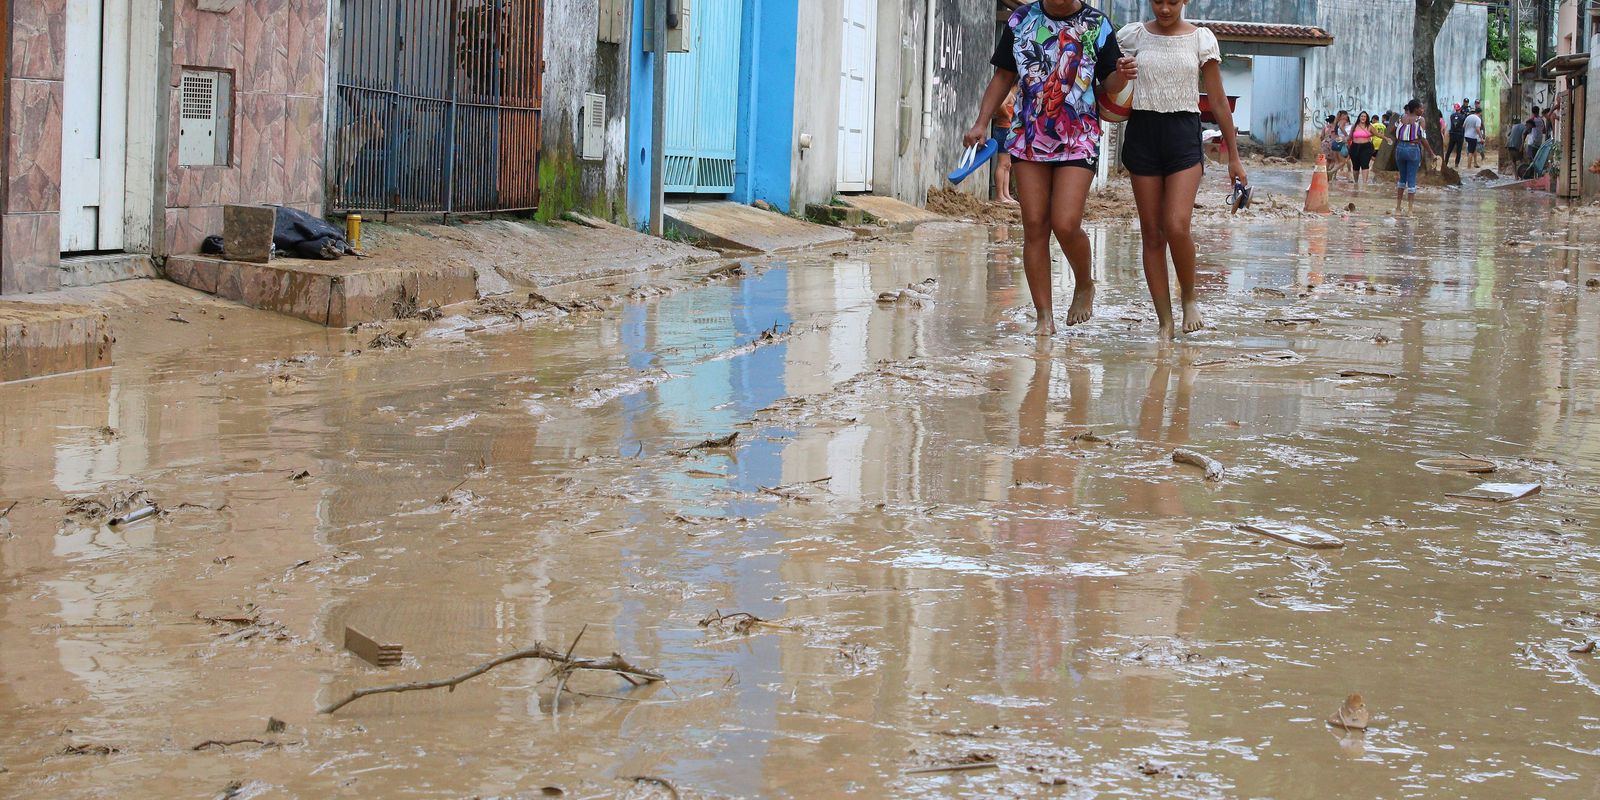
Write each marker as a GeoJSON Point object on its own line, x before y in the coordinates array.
{"type": "Point", "coordinates": [1410, 143]}
{"type": "Point", "coordinates": [1458, 134]}
{"type": "Point", "coordinates": [1473, 133]}
{"type": "Point", "coordinates": [1162, 147]}
{"type": "Point", "coordinates": [1361, 147]}
{"type": "Point", "coordinates": [1002, 160]}
{"type": "Point", "coordinates": [1058, 54]}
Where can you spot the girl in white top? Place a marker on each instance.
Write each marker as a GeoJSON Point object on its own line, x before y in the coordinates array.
{"type": "Point", "coordinates": [1173, 61]}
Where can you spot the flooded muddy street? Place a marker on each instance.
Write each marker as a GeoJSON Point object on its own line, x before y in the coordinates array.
{"type": "Point", "coordinates": [938, 559]}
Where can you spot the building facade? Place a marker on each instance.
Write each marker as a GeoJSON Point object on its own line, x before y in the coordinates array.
{"type": "Point", "coordinates": [131, 123]}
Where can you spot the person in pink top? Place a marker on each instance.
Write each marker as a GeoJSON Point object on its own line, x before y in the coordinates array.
{"type": "Point", "coordinates": [1361, 148]}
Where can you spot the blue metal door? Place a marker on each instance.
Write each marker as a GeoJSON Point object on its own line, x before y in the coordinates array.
{"type": "Point", "coordinates": [703, 101]}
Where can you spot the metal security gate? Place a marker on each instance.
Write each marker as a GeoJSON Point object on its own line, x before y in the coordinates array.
{"type": "Point", "coordinates": [438, 106]}
{"type": "Point", "coordinates": [703, 101]}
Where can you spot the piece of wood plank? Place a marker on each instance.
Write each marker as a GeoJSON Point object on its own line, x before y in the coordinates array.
{"type": "Point", "coordinates": [370, 651]}
{"type": "Point", "coordinates": [1302, 535]}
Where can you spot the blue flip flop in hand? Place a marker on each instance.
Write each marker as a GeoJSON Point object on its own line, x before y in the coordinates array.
{"type": "Point", "coordinates": [976, 156]}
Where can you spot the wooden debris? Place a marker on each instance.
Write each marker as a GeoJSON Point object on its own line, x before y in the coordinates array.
{"type": "Point", "coordinates": [1212, 466]}
{"type": "Point", "coordinates": [1476, 466]}
{"type": "Point", "coordinates": [1301, 535]}
{"type": "Point", "coordinates": [1267, 291]}
{"type": "Point", "coordinates": [565, 663]}
{"type": "Point", "coordinates": [1291, 322]}
{"type": "Point", "coordinates": [370, 651]}
{"type": "Point", "coordinates": [740, 622]}
{"type": "Point", "coordinates": [1583, 649]}
{"type": "Point", "coordinates": [1498, 492]}
{"type": "Point", "coordinates": [970, 761]}
{"type": "Point", "coordinates": [1352, 714]}
{"type": "Point", "coordinates": [89, 750]}
{"type": "Point", "coordinates": [224, 744]}
{"type": "Point", "coordinates": [719, 443]}
{"type": "Point", "coordinates": [1366, 373]}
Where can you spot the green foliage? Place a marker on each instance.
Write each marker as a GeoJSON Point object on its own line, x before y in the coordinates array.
{"type": "Point", "coordinates": [1499, 39]}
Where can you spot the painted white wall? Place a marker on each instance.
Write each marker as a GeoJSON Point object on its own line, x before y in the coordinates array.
{"type": "Point", "coordinates": [1237, 82]}
{"type": "Point", "coordinates": [818, 50]}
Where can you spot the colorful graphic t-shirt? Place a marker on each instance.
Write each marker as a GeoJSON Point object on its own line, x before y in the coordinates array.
{"type": "Point", "coordinates": [1058, 60]}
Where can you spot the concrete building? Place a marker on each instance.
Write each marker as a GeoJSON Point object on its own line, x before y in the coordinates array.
{"type": "Point", "coordinates": [885, 92]}
{"type": "Point", "coordinates": [131, 124]}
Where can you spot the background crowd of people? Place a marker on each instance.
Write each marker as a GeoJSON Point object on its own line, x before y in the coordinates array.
{"type": "Point", "coordinates": [1352, 146]}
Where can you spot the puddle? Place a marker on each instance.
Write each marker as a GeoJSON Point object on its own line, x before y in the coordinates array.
{"type": "Point", "coordinates": [976, 532]}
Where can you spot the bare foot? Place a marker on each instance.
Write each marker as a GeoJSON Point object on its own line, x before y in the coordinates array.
{"type": "Point", "coordinates": [1082, 304]}
{"type": "Point", "coordinates": [1046, 327]}
{"type": "Point", "coordinates": [1165, 331]}
{"type": "Point", "coordinates": [1192, 321]}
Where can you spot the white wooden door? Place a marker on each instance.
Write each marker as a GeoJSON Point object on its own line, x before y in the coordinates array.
{"type": "Point", "coordinates": [94, 136]}
{"type": "Point", "coordinates": [857, 74]}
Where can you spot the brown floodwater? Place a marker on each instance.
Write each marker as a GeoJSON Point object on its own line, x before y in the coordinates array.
{"type": "Point", "coordinates": [952, 571]}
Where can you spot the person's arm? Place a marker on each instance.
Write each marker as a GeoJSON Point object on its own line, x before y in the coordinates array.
{"type": "Point", "coordinates": [1211, 79]}
{"type": "Point", "coordinates": [999, 86]}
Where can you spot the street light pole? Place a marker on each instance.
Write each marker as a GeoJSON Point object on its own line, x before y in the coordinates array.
{"type": "Point", "coordinates": [658, 126]}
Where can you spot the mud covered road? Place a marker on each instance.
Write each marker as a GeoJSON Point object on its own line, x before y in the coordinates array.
{"type": "Point", "coordinates": [965, 549]}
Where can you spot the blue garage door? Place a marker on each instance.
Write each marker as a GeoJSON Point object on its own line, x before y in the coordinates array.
{"type": "Point", "coordinates": [703, 101]}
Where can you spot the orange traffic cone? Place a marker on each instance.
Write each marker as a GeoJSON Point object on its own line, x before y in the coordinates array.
{"type": "Point", "coordinates": [1317, 195]}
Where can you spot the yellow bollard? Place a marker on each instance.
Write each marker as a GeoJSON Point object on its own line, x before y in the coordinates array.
{"type": "Point", "coordinates": [352, 230]}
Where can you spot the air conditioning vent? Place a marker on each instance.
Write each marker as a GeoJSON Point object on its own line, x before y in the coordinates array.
{"type": "Point", "coordinates": [203, 118]}
{"type": "Point", "coordinates": [594, 126]}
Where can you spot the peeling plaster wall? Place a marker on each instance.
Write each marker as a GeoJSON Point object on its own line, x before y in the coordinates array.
{"type": "Point", "coordinates": [577, 62]}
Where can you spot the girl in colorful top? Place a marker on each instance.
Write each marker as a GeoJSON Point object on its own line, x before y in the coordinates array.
{"type": "Point", "coordinates": [1173, 60]}
{"type": "Point", "coordinates": [1409, 145]}
{"type": "Point", "coordinates": [1058, 54]}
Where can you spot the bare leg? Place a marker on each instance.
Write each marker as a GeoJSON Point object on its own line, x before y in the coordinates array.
{"type": "Point", "coordinates": [1399, 194]}
{"type": "Point", "coordinates": [1034, 191]}
{"type": "Point", "coordinates": [1177, 210]}
{"type": "Point", "coordinates": [1066, 219]}
{"type": "Point", "coordinates": [1002, 179]}
{"type": "Point", "coordinates": [1148, 192]}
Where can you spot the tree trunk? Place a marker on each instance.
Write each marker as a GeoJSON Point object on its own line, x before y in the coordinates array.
{"type": "Point", "coordinates": [1430, 18]}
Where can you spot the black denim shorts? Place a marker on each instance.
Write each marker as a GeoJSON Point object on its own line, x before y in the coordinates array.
{"type": "Point", "coordinates": [1158, 144]}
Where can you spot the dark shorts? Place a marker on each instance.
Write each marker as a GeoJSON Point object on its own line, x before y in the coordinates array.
{"type": "Point", "coordinates": [1361, 155]}
{"type": "Point", "coordinates": [1472, 145]}
{"type": "Point", "coordinates": [1000, 132]}
{"type": "Point", "coordinates": [1158, 145]}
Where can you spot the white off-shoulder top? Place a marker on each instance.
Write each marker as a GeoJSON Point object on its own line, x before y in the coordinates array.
{"type": "Point", "coordinates": [1169, 66]}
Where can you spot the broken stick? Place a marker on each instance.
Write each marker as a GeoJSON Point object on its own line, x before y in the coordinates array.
{"type": "Point", "coordinates": [1212, 466]}
{"type": "Point", "coordinates": [565, 666]}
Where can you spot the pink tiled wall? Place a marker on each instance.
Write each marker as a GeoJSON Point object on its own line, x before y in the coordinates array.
{"type": "Point", "coordinates": [276, 51]}
{"type": "Point", "coordinates": [29, 225]}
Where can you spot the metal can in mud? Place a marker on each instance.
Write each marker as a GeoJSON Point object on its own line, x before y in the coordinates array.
{"type": "Point", "coordinates": [352, 230]}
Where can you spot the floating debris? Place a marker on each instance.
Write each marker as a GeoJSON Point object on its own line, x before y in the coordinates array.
{"type": "Point", "coordinates": [1367, 373]}
{"type": "Point", "coordinates": [1499, 492]}
{"type": "Point", "coordinates": [1351, 715]}
{"type": "Point", "coordinates": [388, 340]}
{"type": "Point", "coordinates": [1212, 467]}
{"type": "Point", "coordinates": [1476, 466]}
{"type": "Point", "coordinates": [1302, 535]}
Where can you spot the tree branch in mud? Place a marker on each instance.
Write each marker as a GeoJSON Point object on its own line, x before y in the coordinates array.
{"type": "Point", "coordinates": [565, 666]}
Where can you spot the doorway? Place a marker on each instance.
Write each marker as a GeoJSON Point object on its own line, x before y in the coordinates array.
{"type": "Point", "coordinates": [703, 100]}
{"type": "Point", "coordinates": [94, 135]}
{"type": "Point", "coordinates": [857, 71]}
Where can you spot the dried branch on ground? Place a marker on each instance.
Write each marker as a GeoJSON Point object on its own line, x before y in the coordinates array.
{"type": "Point", "coordinates": [565, 666]}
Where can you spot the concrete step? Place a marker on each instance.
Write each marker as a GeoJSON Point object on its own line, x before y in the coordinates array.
{"type": "Point", "coordinates": [42, 334]}
{"type": "Point", "coordinates": [333, 293]}
{"type": "Point", "coordinates": [731, 226]}
{"type": "Point", "coordinates": [95, 270]}
{"type": "Point", "coordinates": [889, 211]}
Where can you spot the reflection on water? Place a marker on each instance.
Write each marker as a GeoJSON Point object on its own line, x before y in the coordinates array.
{"type": "Point", "coordinates": [970, 544]}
